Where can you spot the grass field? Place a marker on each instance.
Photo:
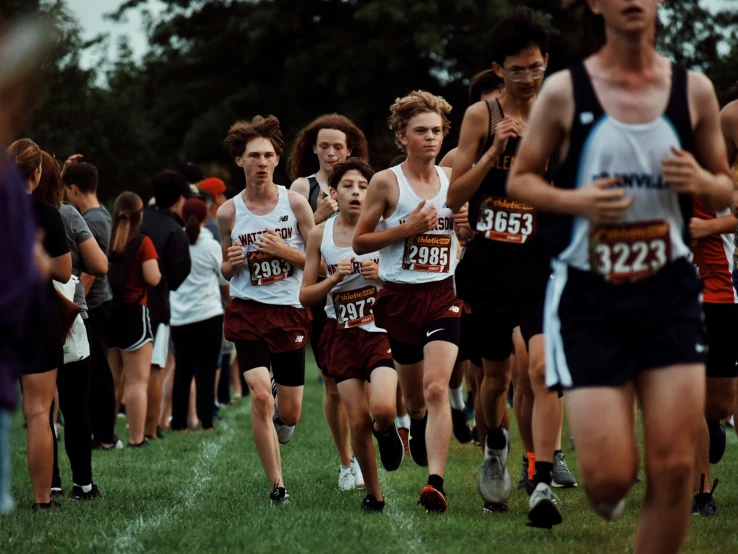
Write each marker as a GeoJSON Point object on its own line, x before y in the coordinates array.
{"type": "Point", "coordinates": [207, 493]}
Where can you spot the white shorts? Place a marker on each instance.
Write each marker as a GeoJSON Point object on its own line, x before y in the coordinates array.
{"type": "Point", "coordinates": [161, 346]}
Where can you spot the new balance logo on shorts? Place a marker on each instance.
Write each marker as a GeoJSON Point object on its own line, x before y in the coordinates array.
{"type": "Point", "coordinates": [299, 338]}
{"type": "Point", "coordinates": [454, 309]}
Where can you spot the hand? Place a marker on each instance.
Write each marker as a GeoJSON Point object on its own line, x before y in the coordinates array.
{"type": "Point", "coordinates": [461, 218]}
{"type": "Point", "coordinates": [699, 228]}
{"type": "Point", "coordinates": [421, 221]}
{"type": "Point", "coordinates": [369, 270]}
{"type": "Point", "coordinates": [344, 268]}
{"type": "Point", "coordinates": [235, 255]}
{"type": "Point", "coordinates": [600, 203]}
{"type": "Point", "coordinates": [506, 129]}
{"type": "Point", "coordinates": [71, 160]}
{"type": "Point", "coordinates": [326, 208]}
{"type": "Point", "coordinates": [271, 243]}
{"type": "Point", "coordinates": [683, 173]}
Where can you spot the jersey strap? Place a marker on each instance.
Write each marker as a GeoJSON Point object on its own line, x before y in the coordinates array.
{"type": "Point", "coordinates": [314, 194]}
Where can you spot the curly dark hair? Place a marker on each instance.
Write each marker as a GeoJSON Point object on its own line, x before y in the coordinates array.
{"type": "Point", "coordinates": [243, 132]}
{"type": "Point", "coordinates": [302, 162]}
{"type": "Point", "coordinates": [350, 164]}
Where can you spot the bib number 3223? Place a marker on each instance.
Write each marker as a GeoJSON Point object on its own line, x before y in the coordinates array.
{"type": "Point", "coordinates": [266, 269]}
{"type": "Point", "coordinates": [505, 220]}
{"type": "Point", "coordinates": [428, 253]}
{"type": "Point", "coordinates": [629, 252]}
{"type": "Point", "coordinates": [354, 307]}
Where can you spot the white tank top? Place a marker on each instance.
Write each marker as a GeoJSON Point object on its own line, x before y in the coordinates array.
{"type": "Point", "coordinates": [424, 258]}
{"type": "Point", "coordinates": [264, 278]}
{"type": "Point", "coordinates": [354, 297]}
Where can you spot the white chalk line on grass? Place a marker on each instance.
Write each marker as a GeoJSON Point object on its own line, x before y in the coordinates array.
{"type": "Point", "coordinates": [400, 519]}
{"type": "Point", "coordinates": [127, 542]}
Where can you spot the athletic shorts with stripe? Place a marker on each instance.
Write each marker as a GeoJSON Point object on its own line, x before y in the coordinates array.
{"type": "Point", "coordinates": [603, 334]}
{"type": "Point", "coordinates": [130, 327]}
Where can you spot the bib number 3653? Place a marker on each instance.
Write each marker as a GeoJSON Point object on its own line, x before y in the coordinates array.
{"type": "Point", "coordinates": [429, 253]}
{"type": "Point", "coordinates": [627, 253]}
{"type": "Point", "coordinates": [266, 269]}
{"type": "Point", "coordinates": [505, 220]}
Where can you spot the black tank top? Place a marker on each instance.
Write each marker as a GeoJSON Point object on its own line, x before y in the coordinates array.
{"type": "Point", "coordinates": [314, 195]}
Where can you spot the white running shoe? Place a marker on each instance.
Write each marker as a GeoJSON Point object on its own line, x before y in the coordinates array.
{"type": "Point", "coordinates": [284, 432]}
{"type": "Point", "coordinates": [494, 482]}
{"type": "Point", "coordinates": [544, 510]}
{"type": "Point", "coordinates": [346, 481]}
{"type": "Point", "coordinates": [356, 471]}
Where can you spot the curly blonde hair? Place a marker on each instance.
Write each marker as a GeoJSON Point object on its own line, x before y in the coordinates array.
{"type": "Point", "coordinates": [243, 132]}
{"type": "Point", "coordinates": [417, 102]}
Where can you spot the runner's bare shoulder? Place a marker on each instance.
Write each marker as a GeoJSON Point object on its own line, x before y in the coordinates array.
{"type": "Point", "coordinates": [301, 185]}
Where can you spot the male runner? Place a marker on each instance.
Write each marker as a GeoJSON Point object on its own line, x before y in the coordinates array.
{"type": "Point", "coordinates": [407, 220]}
{"type": "Point", "coordinates": [504, 271]}
{"type": "Point", "coordinates": [353, 349]}
{"type": "Point", "coordinates": [639, 138]}
{"type": "Point", "coordinates": [263, 230]}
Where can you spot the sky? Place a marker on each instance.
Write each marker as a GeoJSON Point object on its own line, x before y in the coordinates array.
{"type": "Point", "coordinates": [90, 14]}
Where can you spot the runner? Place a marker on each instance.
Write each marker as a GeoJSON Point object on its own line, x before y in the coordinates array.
{"type": "Point", "coordinates": [262, 232]}
{"type": "Point", "coordinates": [506, 230]}
{"type": "Point", "coordinates": [417, 305]}
{"type": "Point", "coordinates": [353, 348]}
{"type": "Point", "coordinates": [623, 315]}
{"type": "Point", "coordinates": [332, 138]}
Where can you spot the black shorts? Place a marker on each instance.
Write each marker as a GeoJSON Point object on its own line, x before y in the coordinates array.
{"type": "Point", "coordinates": [468, 348]}
{"type": "Point", "coordinates": [130, 327]}
{"type": "Point", "coordinates": [447, 329]}
{"type": "Point", "coordinates": [599, 334]}
{"type": "Point", "coordinates": [288, 367]}
{"type": "Point", "coordinates": [43, 341]}
{"type": "Point", "coordinates": [503, 294]}
{"type": "Point", "coordinates": [721, 321]}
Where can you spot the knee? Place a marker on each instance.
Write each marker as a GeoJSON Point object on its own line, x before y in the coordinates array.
{"type": "Point", "coordinates": [331, 394]}
{"type": "Point", "coordinates": [384, 416]}
{"type": "Point", "coordinates": [537, 374]}
{"type": "Point", "coordinates": [290, 415]}
{"type": "Point", "coordinates": [498, 382]}
{"type": "Point", "coordinates": [436, 392]}
{"type": "Point", "coordinates": [607, 486]}
{"type": "Point", "coordinates": [415, 404]}
{"type": "Point", "coordinates": [672, 470]}
{"type": "Point", "coordinates": [360, 426]}
{"type": "Point", "coordinates": [262, 401]}
{"type": "Point", "coordinates": [719, 408]}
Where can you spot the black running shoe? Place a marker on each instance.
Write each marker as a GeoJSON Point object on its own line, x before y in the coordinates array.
{"type": "Point", "coordinates": [279, 495]}
{"type": "Point", "coordinates": [79, 494]}
{"type": "Point", "coordinates": [371, 505]}
{"type": "Point", "coordinates": [117, 444]}
{"type": "Point", "coordinates": [57, 492]}
{"type": "Point", "coordinates": [461, 427]}
{"type": "Point", "coordinates": [391, 449]}
{"type": "Point", "coordinates": [703, 503]}
{"type": "Point", "coordinates": [141, 444]}
{"type": "Point", "coordinates": [717, 440]}
{"type": "Point", "coordinates": [41, 507]}
{"type": "Point", "coordinates": [417, 440]}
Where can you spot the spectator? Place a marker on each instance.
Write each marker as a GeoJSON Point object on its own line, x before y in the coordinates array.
{"type": "Point", "coordinates": [213, 191]}
{"type": "Point", "coordinates": [45, 335]}
{"type": "Point", "coordinates": [81, 180]}
{"type": "Point", "coordinates": [165, 228]}
{"type": "Point", "coordinates": [197, 321]}
{"type": "Point", "coordinates": [134, 266]}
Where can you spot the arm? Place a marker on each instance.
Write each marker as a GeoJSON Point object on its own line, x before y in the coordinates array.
{"type": "Point", "coordinates": [93, 258]}
{"type": "Point", "coordinates": [177, 266]}
{"type": "Point", "coordinates": [61, 268]}
{"type": "Point", "coordinates": [701, 228]}
{"type": "Point", "coordinates": [151, 272]}
{"type": "Point", "coordinates": [305, 223]}
{"type": "Point", "coordinates": [302, 187]}
{"type": "Point", "coordinates": [449, 159]}
{"type": "Point", "coordinates": [729, 124]}
{"type": "Point", "coordinates": [87, 281]}
{"type": "Point", "coordinates": [232, 253]}
{"type": "Point", "coordinates": [367, 238]}
{"type": "Point", "coordinates": [312, 292]}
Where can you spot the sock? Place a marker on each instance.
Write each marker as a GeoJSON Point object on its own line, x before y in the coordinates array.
{"type": "Point", "coordinates": [531, 465]}
{"type": "Point", "coordinates": [344, 469]}
{"type": "Point", "coordinates": [436, 481]}
{"type": "Point", "coordinates": [457, 398]}
{"type": "Point", "coordinates": [543, 473]}
{"type": "Point", "coordinates": [403, 421]}
{"type": "Point", "coordinates": [496, 439]}
{"type": "Point", "coordinates": [85, 488]}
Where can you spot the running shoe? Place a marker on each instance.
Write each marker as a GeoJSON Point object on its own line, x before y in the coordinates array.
{"type": "Point", "coordinates": [141, 444]}
{"type": "Point", "coordinates": [461, 427]}
{"type": "Point", "coordinates": [356, 470]}
{"type": "Point", "coordinates": [433, 500]}
{"type": "Point", "coordinates": [470, 406]}
{"type": "Point", "coordinates": [703, 503]}
{"type": "Point", "coordinates": [524, 482]}
{"type": "Point", "coordinates": [475, 436]}
{"type": "Point", "coordinates": [79, 494]}
{"type": "Point", "coordinates": [284, 432]}
{"type": "Point", "coordinates": [544, 510]}
{"type": "Point", "coordinates": [41, 507]}
{"type": "Point", "coordinates": [562, 477]}
{"type": "Point", "coordinates": [346, 481]}
{"type": "Point", "coordinates": [718, 440]}
{"type": "Point", "coordinates": [279, 495]}
{"type": "Point", "coordinates": [494, 482]}
{"type": "Point", "coordinates": [405, 437]}
{"type": "Point", "coordinates": [117, 444]}
{"type": "Point", "coordinates": [417, 440]}
{"type": "Point", "coordinates": [371, 505]}
{"type": "Point", "coordinates": [57, 492]}
{"type": "Point", "coordinates": [391, 448]}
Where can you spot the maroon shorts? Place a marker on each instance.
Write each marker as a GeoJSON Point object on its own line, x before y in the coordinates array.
{"type": "Point", "coordinates": [283, 328]}
{"type": "Point", "coordinates": [353, 353]}
{"type": "Point", "coordinates": [405, 310]}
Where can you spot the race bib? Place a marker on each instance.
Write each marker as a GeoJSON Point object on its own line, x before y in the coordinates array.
{"type": "Point", "coordinates": [354, 307]}
{"type": "Point", "coordinates": [265, 269]}
{"type": "Point", "coordinates": [429, 253]}
{"type": "Point", "coordinates": [629, 252]}
{"type": "Point", "coordinates": [505, 220]}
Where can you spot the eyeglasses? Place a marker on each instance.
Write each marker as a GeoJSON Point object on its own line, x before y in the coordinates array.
{"type": "Point", "coordinates": [519, 75]}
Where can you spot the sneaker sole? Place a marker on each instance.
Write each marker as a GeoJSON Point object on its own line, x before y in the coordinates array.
{"type": "Point", "coordinates": [402, 456]}
{"type": "Point", "coordinates": [491, 508]}
{"type": "Point", "coordinates": [556, 485]}
{"type": "Point", "coordinates": [432, 503]}
{"type": "Point", "coordinates": [544, 515]}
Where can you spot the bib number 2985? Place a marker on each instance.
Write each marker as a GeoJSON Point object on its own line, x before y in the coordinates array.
{"type": "Point", "coordinates": [630, 252]}
{"type": "Point", "coordinates": [428, 253]}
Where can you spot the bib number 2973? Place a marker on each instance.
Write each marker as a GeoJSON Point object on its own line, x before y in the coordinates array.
{"type": "Point", "coordinates": [354, 307]}
{"type": "Point", "coordinates": [428, 253]}
{"type": "Point", "coordinates": [627, 253]}
{"type": "Point", "coordinates": [266, 269]}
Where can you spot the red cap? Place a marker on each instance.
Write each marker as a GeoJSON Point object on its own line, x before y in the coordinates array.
{"type": "Point", "coordinates": [213, 185]}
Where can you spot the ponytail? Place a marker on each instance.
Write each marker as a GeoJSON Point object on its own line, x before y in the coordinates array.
{"type": "Point", "coordinates": [192, 228]}
{"type": "Point", "coordinates": [127, 215]}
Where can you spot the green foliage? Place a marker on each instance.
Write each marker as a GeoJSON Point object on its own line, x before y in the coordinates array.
{"type": "Point", "coordinates": [214, 62]}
